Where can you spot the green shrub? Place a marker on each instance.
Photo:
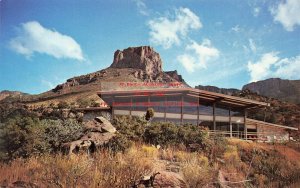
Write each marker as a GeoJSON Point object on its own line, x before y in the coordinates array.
{"type": "Point", "coordinates": [118, 143]}
{"type": "Point", "coordinates": [131, 127]}
{"type": "Point", "coordinates": [61, 131]}
{"type": "Point", "coordinates": [24, 137]}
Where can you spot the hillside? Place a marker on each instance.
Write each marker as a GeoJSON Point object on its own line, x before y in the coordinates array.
{"type": "Point", "coordinates": [11, 95]}
{"type": "Point", "coordinates": [215, 89]}
{"type": "Point", "coordinates": [134, 64]}
{"type": "Point", "coordinates": [285, 90]}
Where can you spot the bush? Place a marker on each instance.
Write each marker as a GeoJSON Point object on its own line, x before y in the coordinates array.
{"type": "Point", "coordinates": [149, 114]}
{"type": "Point", "coordinates": [61, 131]}
{"type": "Point", "coordinates": [24, 137]}
{"type": "Point", "coordinates": [131, 127]}
{"type": "Point", "coordinates": [118, 143]}
{"type": "Point", "coordinates": [161, 133]}
{"type": "Point", "coordinates": [63, 104]}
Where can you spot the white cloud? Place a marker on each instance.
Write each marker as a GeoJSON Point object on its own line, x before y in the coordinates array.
{"type": "Point", "coordinates": [197, 55]}
{"type": "Point", "coordinates": [142, 8]}
{"type": "Point", "coordinates": [271, 66]}
{"type": "Point", "coordinates": [288, 68]}
{"type": "Point", "coordinates": [252, 45]}
{"type": "Point", "coordinates": [287, 13]}
{"type": "Point", "coordinates": [262, 68]}
{"type": "Point", "coordinates": [188, 62]}
{"type": "Point", "coordinates": [236, 28]}
{"type": "Point", "coordinates": [256, 11]}
{"type": "Point", "coordinates": [166, 31]}
{"type": "Point", "coordinates": [34, 38]}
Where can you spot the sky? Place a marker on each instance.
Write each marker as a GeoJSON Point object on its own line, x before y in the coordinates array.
{"type": "Point", "coordinates": [225, 43]}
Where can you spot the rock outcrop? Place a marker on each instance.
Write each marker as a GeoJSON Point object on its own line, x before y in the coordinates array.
{"type": "Point", "coordinates": [286, 90]}
{"type": "Point", "coordinates": [96, 133]}
{"type": "Point", "coordinates": [174, 74]}
{"type": "Point", "coordinates": [226, 91]}
{"type": "Point", "coordinates": [144, 58]}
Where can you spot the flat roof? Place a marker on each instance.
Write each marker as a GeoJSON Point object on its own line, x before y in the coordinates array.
{"type": "Point", "coordinates": [190, 92]}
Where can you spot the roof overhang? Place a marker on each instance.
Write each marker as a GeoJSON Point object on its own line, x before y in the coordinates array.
{"type": "Point", "coordinates": [257, 122]}
{"type": "Point", "coordinates": [209, 97]}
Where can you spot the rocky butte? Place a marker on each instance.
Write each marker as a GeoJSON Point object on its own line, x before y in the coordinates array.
{"type": "Point", "coordinates": [144, 58]}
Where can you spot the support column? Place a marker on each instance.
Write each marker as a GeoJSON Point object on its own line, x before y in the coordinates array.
{"type": "Point", "coordinates": [112, 108]}
{"type": "Point", "coordinates": [245, 124]}
{"type": "Point", "coordinates": [130, 111]}
{"type": "Point", "coordinates": [214, 116]}
{"type": "Point", "coordinates": [165, 105]}
{"type": "Point", "coordinates": [181, 110]}
{"type": "Point", "coordinates": [230, 123]}
{"type": "Point", "coordinates": [238, 128]}
{"type": "Point", "coordinates": [198, 111]}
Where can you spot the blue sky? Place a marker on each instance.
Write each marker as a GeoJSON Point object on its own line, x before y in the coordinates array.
{"type": "Point", "coordinates": [226, 43]}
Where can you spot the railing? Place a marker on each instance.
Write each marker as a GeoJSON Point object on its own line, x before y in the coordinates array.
{"type": "Point", "coordinates": [259, 136]}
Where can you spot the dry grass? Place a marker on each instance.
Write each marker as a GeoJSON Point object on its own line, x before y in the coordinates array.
{"type": "Point", "coordinates": [107, 169]}
{"type": "Point", "coordinates": [100, 170]}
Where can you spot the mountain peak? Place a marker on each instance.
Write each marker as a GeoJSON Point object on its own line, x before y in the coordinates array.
{"type": "Point", "coordinates": [142, 57]}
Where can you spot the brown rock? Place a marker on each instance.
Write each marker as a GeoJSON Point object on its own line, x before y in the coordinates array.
{"type": "Point", "coordinates": [144, 58]}
{"type": "Point", "coordinates": [97, 132]}
{"type": "Point", "coordinates": [169, 179]}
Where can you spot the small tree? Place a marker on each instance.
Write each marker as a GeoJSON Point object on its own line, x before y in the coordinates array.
{"type": "Point", "coordinates": [149, 114]}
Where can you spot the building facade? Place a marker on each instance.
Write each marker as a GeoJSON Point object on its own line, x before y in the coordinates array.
{"type": "Point", "coordinates": [220, 113]}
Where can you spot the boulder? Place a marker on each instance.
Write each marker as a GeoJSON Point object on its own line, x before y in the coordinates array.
{"type": "Point", "coordinates": [106, 125]}
{"type": "Point", "coordinates": [96, 133]}
{"type": "Point", "coordinates": [169, 179]}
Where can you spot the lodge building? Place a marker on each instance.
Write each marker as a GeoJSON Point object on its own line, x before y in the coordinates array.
{"type": "Point", "coordinates": [220, 113]}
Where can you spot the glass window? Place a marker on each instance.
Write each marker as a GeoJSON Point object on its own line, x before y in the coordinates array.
{"type": "Point", "coordinates": [190, 105]}
{"type": "Point", "coordinates": [140, 103]}
{"type": "Point", "coordinates": [122, 103]}
{"type": "Point", "coordinates": [173, 104]}
{"type": "Point", "coordinates": [208, 124]}
{"type": "Point", "coordinates": [222, 126]}
{"type": "Point", "coordinates": [221, 110]}
{"type": "Point", "coordinates": [157, 103]}
{"type": "Point", "coordinates": [236, 112]}
{"type": "Point", "coordinates": [205, 109]}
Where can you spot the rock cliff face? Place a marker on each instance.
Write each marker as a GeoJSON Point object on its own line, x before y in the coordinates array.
{"type": "Point", "coordinates": [144, 58]}
{"type": "Point", "coordinates": [9, 95]}
{"type": "Point", "coordinates": [230, 91]}
{"type": "Point", "coordinates": [175, 75]}
{"type": "Point", "coordinates": [286, 90]}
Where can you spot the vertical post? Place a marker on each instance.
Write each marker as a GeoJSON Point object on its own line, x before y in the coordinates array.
{"type": "Point", "coordinates": [130, 111]}
{"type": "Point", "coordinates": [238, 128]}
{"type": "Point", "coordinates": [198, 111]}
{"type": "Point", "coordinates": [165, 105]}
{"type": "Point", "coordinates": [245, 124]}
{"type": "Point", "coordinates": [181, 109]}
{"type": "Point", "coordinates": [112, 108]}
{"type": "Point", "coordinates": [214, 116]}
{"type": "Point", "coordinates": [265, 109]}
{"type": "Point", "coordinates": [230, 123]}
